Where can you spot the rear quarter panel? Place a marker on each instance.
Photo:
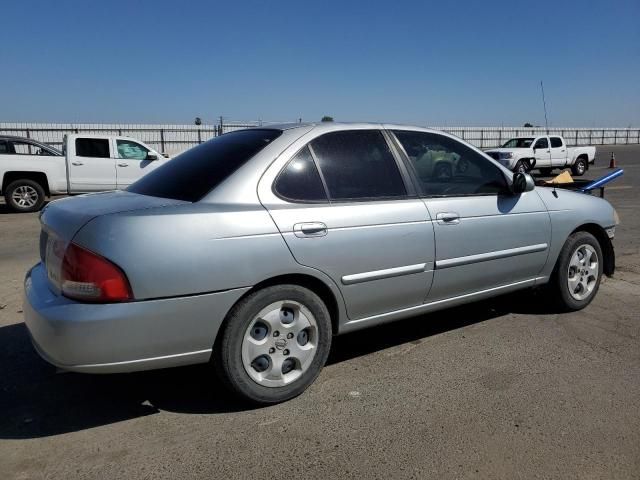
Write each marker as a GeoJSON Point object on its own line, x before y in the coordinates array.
{"type": "Point", "coordinates": [193, 248]}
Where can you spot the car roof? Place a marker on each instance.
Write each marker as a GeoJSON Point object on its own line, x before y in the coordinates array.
{"type": "Point", "coordinates": [348, 125]}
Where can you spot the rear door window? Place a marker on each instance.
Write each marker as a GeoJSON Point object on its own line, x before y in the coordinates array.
{"type": "Point", "coordinates": [300, 180]}
{"type": "Point", "coordinates": [556, 142]}
{"type": "Point", "coordinates": [193, 174]}
{"type": "Point", "coordinates": [92, 147]}
{"type": "Point", "coordinates": [358, 165]}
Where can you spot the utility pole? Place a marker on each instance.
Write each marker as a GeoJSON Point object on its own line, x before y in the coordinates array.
{"type": "Point", "coordinates": [544, 104]}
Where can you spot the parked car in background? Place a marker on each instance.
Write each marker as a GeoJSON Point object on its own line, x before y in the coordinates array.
{"type": "Point", "coordinates": [31, 171]}
{"type": "Point", "coordinates": [545, 153]}
{"type": "Point", "coordinates": [253, 249]}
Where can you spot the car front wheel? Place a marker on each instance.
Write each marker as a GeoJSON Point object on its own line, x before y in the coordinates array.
{"type": "Point", "coordinates": [578, 271]}
{"type": "Point", "coordinates": [274, 344]}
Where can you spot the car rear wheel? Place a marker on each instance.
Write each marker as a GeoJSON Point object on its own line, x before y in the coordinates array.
{"type": "Point", "coordinates": [579, 167]}
{"type": "Point", "coordinates": [24, 196]}
{"type": "Point", "coordinates": [274, 344]}
{"type": "Point", "coordinates": [578, 271]}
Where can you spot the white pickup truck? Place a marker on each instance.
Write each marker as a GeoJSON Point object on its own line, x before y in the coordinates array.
{"type": "Point", "coordinates": [544, 153]}
{"type": "Point", "coordinates": [31, 171]}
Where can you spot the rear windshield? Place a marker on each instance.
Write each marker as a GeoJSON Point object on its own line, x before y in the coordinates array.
{"type": "Point", "coordinates": [193, 174]}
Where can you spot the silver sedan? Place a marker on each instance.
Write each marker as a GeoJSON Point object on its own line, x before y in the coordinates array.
{"type": "Point", "coordinates": [251, 251]}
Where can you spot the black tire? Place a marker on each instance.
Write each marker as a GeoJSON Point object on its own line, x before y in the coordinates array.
{"type": "Point", "coordinates": [579, 167]}
{"type": "Point", "coordinates": [227, 357]}
{"type": "Point", "coordinates": [34, 196]}
{"type": "Point", "coordinates": [559, 282]}
{"type": "Point", "coordinates": [442, 171]}
{"type": "Point", "coordinates": [546, 172]}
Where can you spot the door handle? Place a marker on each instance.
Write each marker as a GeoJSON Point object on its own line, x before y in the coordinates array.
{"type": "Point", "coordinates": [310, 229]}
{"type": "Point", "coordinates": [448, 218]}
{"type": "Point", "coordinates": [123, 164]}
{"type": "Point", "coordinates": [77, 163]}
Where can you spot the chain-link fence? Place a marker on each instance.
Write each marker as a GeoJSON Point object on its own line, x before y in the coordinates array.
{"type": "Point", "coordinates": [487, 137]}
{"type": "Point", "coordinates": [173, 139]}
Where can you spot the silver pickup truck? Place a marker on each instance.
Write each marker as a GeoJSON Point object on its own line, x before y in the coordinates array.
{"type": "Point", "coordinates": [544, 153]}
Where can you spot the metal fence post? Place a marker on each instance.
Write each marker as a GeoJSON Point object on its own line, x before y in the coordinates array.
{"type": "Point", "coordinates": [576, 137]}
{"type": "Point", "coordinates": [199, 137]}
{"type": "Point", "coordinates": [602, 142]}
{"type": "Point", "coordinates": [481, 137]}
{"type": "Point", "coordinates": [590, 132]}
{"type": "Point", "coordinates": [615, 136]}
{"type": "Point", "coordinates": [162, 139]}
{"type": "Point", "coordinates": [627, 136]}
{"type": "Point", "coordinates": [28, 144]}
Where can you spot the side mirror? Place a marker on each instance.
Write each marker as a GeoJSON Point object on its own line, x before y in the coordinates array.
{"type": "Point", "coordinates": [151, 156]}
{"type": "Point", "coordinates": [522, 182]}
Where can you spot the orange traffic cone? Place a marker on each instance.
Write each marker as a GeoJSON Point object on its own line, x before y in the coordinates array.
{"type": "Point", "coordinates": [612, 162]}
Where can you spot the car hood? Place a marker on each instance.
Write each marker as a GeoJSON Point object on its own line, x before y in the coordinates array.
{"type": "Point", "coordinates": [68, 215]}
{"type": "Point", "coordinates": [506, 150]}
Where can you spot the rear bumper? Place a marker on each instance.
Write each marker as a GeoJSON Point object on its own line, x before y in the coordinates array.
{"type": "Point", "coordinates": [122, 337]}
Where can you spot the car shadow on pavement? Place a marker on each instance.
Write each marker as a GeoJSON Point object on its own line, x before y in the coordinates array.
{"type": "Point", "coordinates": [38, 401]}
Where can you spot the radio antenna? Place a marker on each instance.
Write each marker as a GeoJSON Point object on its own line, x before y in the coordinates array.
{"type": "Point", "coordinates": [544, 104]}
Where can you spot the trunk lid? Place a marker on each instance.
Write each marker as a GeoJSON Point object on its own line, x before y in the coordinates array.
{"type": "Point", "coordinates": [62, 219]}
{"type": "Point", "coordinates": [67, 215]}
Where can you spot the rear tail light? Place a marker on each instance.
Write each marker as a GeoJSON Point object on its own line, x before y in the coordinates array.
{"type": "Point", "coordinates": [89, 277]}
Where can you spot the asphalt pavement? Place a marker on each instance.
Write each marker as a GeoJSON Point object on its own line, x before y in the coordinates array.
{"type": "Point", "coordinates": [505, 388]}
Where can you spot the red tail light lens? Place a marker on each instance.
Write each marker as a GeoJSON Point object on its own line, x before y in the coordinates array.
{"type": "Point", "coordinates": [88, 277]}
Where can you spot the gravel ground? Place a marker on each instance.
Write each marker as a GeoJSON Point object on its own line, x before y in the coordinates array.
{"type": "Point", "coordinates": [500, 389]}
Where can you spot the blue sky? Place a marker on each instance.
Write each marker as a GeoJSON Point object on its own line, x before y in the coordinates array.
{"type": "Point", "coordinates": [435, 63]}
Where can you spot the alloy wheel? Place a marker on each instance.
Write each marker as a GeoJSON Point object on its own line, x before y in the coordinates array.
{"type": "Point", "coordinates": [583, 272]}
{"type": "Point", "coordinates": [25, 196]}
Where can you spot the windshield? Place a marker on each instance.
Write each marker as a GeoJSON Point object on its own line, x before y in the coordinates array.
{"type": "Point", "coordinates": [193, 174]}
{"type": "Point", "coordinates": [518, 143]}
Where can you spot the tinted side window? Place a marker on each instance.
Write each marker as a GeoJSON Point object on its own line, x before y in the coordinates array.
{"type": "Point", "coordinates": [358, 164]}
{"type": "Point", "coordinates": [300, 180]}
{"type": "Point", "coordinates": [4, 147]}
{"type": "Point", "coordinates": [194, 173]}
{"type": "Point", "coordinates": [446, 167]}
{"type": "Point", "coordinates": [541, 143]}
{"type": "Point", "coordinates": [92, 147]}
{"type": "Point", "coordinates": [556, 142]}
